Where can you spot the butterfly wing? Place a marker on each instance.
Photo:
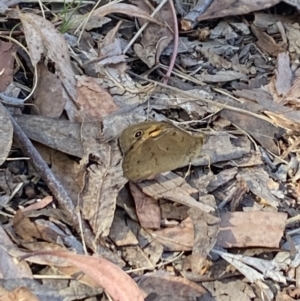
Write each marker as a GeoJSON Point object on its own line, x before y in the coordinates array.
{"type": "Point", "coordinates": [165, 149]}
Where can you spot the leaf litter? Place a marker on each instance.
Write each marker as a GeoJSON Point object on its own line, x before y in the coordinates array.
{"type": "Point", "coordinates": [225, 227]}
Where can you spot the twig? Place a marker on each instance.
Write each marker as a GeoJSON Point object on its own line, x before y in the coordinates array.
{"type": "Point", "coordinates": [191, 19]}
{"type": "Point", "coordinates": [53, 184]}
{"type": "Point", "coordinates": [175, 49]}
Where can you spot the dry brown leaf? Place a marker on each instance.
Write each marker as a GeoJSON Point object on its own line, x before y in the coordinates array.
{"type": "Point", "coordinates": [292, 33]}
{"type": "Point", "coordinates": [6, 134]}
{"type": "Point", "coordinates": [21, 293]}
{"type": "Point", "coordinates": [7, 52]}
{"type": "Point", "coordinates": [90, 21]}
{"type": "Point", "coordinates": [264, 132]}
{"type": "Point", "coordinates": [264, 20]}
{"type": "Point", "coordinates": [222, 147]}
{"type": "Point", "coordinates": [58, 134]}
{"type": "Point", "coordinates": [169, 186]}
{"type": "Point", "coordinates": [120, 233]}
{"type": "Point", "coordinates": [40, 34]}
{"type": "Point", "coordinates": [260, 184]}
{"type": "Point", "coordinates": [124, 90]}
{"type": "Point", "coordinates": [93, 100]}
{"type": "Point", "coordinates": [39, 205]}
{"type": "Point", "coordinates": [42, 260]}
{"type": "Point", "coordinates": [292, 95]}
{"type": "Point", "coordinates": [178, 238]}
{"type": "Point", "coordinates": [155, 37]}
{"type": "Point", "coordinates": [66, 170]}
{"type": "Point", "coordinates": [136, 258]}
{"type": "Point", "coordinates": [49, 97]}
{"type": "Point", "coordinates": [251, 229]}
{"type": "Point", "coordinates": [114, 281]}
{"type": "Point", "coordinates": [123, 8]}
{"type": "Point", "coordinates": [222, 8]}
{"type": "Point", "coordinates": [266, 42]}
{"type": "Point", "coordinates": [168, 287]}
{"type": "Point", "coordinates": [173, 211]}
{"type": "Point", "coordinates": [234, 290]}
{"type": "Point", "coordinates": [11, 268]}
{"type": "Point", "coordinates": [206, 227]}
{"type": "Point", "coordinates": [26, 229]}
{"type": "Point", "coordinates": [147, 208]}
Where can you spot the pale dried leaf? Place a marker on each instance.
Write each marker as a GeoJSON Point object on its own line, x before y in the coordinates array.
{"type": "Point", "coordinates": [6, 134]}
{"type": "Point", "coordinates": [220, 76]}
{"type": "Point", "coordinates": [251, 229]}
{"type": "Point", "coordinates": [284, 74]}
{"type": "Point", "coordinates": [222, 147]}
{"type": "Point", "coordinates": [259, 184]}
{"type": "Point", "coordinates": [206, 228]}
{"type": "Point", "coordinates": [292, 33]}
{"type": "Point", "coordinates": [39, 205]}
{"type": "Point", "coordinates": [103, 182]}
{"type": "Point", "coordinates": [169, 186]}
{"type": "Point", "coordinates": [136, 258]}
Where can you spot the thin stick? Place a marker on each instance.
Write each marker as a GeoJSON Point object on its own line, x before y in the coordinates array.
{"type": "Point", "coordinates": [175, 49]}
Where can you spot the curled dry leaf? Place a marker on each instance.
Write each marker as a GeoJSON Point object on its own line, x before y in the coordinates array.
{"type": "Point", "coordinates": [221, 8]}
{"type": "Point", "coordinates": [113, 279]}
{"type": "Point", "coordinates": [40, 35]}
{"type": "Point", "coordinates": [123, 8]}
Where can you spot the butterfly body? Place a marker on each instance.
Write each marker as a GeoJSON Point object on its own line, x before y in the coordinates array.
{"type": "Point", "coordinates": [150, 148]}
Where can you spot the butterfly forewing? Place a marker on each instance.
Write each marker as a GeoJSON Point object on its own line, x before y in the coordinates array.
{"type": "Point", "coordinates": [165, 149]}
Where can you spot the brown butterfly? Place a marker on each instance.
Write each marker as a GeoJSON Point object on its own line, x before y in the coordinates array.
{"type": "Point", "coordinates": [151, 148]}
